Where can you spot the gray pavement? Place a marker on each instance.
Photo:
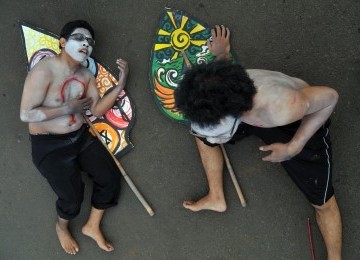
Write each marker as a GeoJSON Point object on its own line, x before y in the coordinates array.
{"type": "Point", "coordinates": [318, 41]}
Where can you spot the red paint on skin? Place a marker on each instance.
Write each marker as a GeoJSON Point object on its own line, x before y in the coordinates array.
{"type": "Point", "coordinates": [62, 94]}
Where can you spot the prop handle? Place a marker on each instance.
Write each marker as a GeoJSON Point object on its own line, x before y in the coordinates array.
{"type": "Point", "coordinates": [310, 240]}
{"type": "Point", "coordinates": [233, 177]}
{"type": "Point", "coordinates": [123, 173]}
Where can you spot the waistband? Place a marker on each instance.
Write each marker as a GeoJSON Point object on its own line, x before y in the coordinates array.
{"type": "Point", "coordinates": [72, 135]}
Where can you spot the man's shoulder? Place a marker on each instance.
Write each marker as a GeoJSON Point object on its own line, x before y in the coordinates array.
{"type": "Point", "coordinates": [265, 73]}
{"type": "Point", "coordinates": [43, 68]}
{"type": "Point", "coordinates": [277, 79]}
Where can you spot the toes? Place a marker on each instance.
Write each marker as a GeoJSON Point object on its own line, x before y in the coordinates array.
{"type": "Point", "coordinates": [72, 251]}
{"type": "Point", "coordinates": [107, 247]}
{"type": "Point", "coordinates": [188, 203]}
{"type": "Point", "coordinates": [110, 247]}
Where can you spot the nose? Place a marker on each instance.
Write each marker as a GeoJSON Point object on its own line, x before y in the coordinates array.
{"type": "Point", "coordinates": [86, 44]}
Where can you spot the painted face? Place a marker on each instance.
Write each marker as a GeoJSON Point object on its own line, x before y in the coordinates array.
{"type": "Point", "coordinates": [79, 50]}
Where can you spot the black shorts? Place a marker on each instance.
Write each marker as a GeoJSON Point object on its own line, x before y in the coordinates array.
{"type": "Point", "coordinates": [61, 158]}
{"type": "Point", "coordinates": [311, 169]}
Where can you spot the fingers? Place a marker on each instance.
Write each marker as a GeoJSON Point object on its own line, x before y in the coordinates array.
{"type": "Point", "coordinates": [86, 100]}
{"type": "Point", "coordinates": [227, 33]}
{"type": "Point", "coordinates": [86, 103]}
{"type": "Point", "coordinates": [213, 33]}
{"type": "Point", "coordinates": [269, 157]}
{"type": "Point", "coordinates": [220, 31]}
{"type": "Point", "coordinates": [122, 64]}
{"type": "Point", "coordinates": [265, 148]}
{"type": "Point", "coordinates": [208, 43]}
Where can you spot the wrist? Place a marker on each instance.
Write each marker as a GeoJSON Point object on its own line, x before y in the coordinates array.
{"type": "Point", "coordinates": [223, 56]}
{"type": "Point", "coordinates": [66, 109]}
{"type": "Point", "coordinates": [119, 87]}
{"type": "Point", "coordinates": [295, 147]}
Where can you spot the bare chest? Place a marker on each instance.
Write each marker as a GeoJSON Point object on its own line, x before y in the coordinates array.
{"type": "Point", "coordinates": [64, 89]}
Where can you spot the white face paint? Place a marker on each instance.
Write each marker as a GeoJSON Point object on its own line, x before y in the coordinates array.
{"type": "Point", "coordinates": [79, 50]}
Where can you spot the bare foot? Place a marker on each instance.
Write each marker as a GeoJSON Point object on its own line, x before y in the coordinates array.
{"type": "Point", "coordinates": [66, 240]}
{"type": "Point", "coordinates": [206, 203]}
{"type": "Point", "coordinates": [95, 233]}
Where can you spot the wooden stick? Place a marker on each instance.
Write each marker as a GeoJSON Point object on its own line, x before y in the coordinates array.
{"type": "Point", "coordinates": [310, 240]}
{"type": "Point", "coordinates": [233, 177]}
{"type": "Point", "coordinates": [123, 173]}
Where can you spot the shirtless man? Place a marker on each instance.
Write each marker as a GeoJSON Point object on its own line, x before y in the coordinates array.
{"type": "Point", "coordinates": [57, 91]}
{"type": "Point", "coordinates": [225, 103]}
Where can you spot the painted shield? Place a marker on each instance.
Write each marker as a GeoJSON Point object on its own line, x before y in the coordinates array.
{"type": "Point", "coordinates": [114, 127]}
{"type": "Point", "coordinates": [179, 43]}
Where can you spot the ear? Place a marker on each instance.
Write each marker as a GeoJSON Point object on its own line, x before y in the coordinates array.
{"type": "Point", "coordinates": [62, 42]}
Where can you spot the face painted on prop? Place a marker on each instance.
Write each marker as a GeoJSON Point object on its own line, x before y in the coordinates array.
{"type": "Point", "coordinates": [77, 45]}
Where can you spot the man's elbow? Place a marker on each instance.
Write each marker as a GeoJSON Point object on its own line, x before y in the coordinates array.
{"type": "Point", "coordinates": [23, 117]}
{"type": "Point", "coordinates": [334, 96]}
{"type": "Point", "coordinates": [97, 114]}
{"type": "Point", "coordinates": [32, 116]}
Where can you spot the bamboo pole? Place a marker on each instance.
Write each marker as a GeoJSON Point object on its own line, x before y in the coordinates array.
{"type": "Point", "coordinates": [233, 177]}
{"type": "Point", "coordinates": [123, 173]}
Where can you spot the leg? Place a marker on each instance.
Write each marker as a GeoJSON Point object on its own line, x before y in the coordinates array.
{"type": "Point", "coordinates": [92, 229]}
{"type": "Point", "coordinates": [213, 162]}
{"type": "Point", "coordinates": [98, 163]}
{"type": "Point", "coordinates": [62, 174]}
{"type": "Point", "coordinates": [66, 240]}
{"type": "Point", "coordinates": [329, 221]}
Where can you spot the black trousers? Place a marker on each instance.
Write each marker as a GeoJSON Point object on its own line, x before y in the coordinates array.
{"type": "Point", "coordinates": [311, 169]}
{"type": "Point", "coordinates": [61, 158]}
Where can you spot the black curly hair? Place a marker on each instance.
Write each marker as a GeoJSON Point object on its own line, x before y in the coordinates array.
{"type": "Point", "coordinates": [212, 91]}
{"type": "Point", "coordinates": [70, 27]}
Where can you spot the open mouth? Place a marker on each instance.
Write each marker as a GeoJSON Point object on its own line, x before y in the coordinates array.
{"type": "Point", "coordinates": [84, 51]}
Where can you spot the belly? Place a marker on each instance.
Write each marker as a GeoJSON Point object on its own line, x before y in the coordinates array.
{"type": "Point", "coordinates": [61, 125]}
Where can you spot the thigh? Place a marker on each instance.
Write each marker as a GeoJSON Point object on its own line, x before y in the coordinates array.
{"type": "Point", "coordinates": [311, 171]}
{"type": "Point", "coordinates": [63, 174]}
{"type": "Point", "coordinates": [98, 163]}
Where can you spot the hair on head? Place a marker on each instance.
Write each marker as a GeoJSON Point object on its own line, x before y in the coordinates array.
{"type": "Point", "coordinates": [70, 27]}
{"type": "Point", "coordinates": [209, 92]}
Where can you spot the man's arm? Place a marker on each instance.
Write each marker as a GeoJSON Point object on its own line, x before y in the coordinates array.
{"type": "Point", "coordinates": [101, 105]}
{"type": "Point", "coordinates": [35, 89]}
{"type": "Point", "coordinates": [321, 103]}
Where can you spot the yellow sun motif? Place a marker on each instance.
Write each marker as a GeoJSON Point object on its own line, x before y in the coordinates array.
{"type": "Point", "coordinates": [180, 39]}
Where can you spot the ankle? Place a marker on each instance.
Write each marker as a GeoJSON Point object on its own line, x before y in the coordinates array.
{"type": "Point", "coordinates": [62, 224]}
{"type": "Point", "coordinates": [216, 196]}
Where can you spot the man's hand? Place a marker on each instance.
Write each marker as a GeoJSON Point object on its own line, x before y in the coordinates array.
{"type": "Point", "coordinates": [280, 152]}
{"type": "Point", "coordinates": [77, 106]}
{"type": "Point", "coordinates": [220, 44]}
{"type": "Point", "coordinates": [123, 72]}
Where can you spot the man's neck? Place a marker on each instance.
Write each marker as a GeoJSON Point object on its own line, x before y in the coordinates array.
{"type": "Point", "coordinates": [70, 63]}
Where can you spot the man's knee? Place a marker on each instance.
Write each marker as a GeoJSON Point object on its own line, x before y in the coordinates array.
{"type": "Point", "coordinates": [110, 179]}
{"type": "Point", "coordinates": [69, 209]}
{"type": "Point", "coordinates": [329, 205]}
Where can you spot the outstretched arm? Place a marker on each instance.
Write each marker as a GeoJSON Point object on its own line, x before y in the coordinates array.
{"type": "Point", "coordinates": [321, 101]}
{"type": "Point", "coordinates": [219, 46]}
{"type": "Point", "coordinates": [101, 105]}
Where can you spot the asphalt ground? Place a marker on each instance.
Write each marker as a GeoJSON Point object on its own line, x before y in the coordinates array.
{"type": "Point", "coordinates": [317, 41]}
